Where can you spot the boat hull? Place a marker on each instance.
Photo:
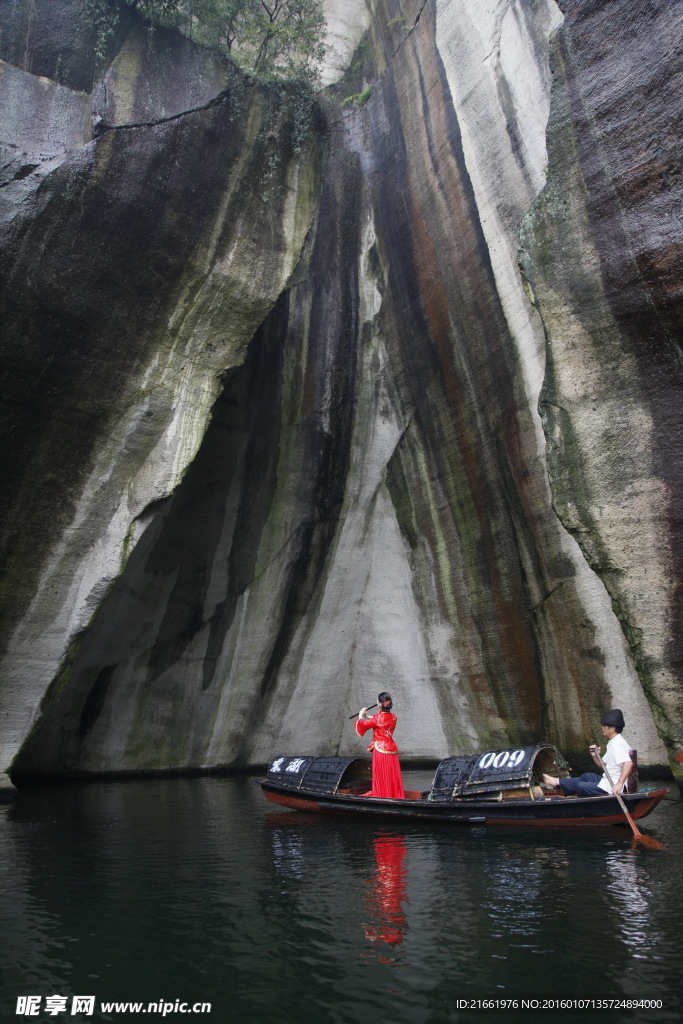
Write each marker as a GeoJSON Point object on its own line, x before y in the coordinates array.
{"type": "Point", "coordinates": [552, 811]}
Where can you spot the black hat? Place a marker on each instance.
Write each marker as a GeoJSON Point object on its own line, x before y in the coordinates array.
{"type": "Point", "coordinates": [613, 717]}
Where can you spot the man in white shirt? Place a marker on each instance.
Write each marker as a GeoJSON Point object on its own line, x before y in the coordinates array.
{"type": "Point", "coordinates": [617, 761]}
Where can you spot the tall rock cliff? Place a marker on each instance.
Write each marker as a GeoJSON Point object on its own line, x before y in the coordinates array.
{"type": "Point", "coordinates": [388, 402]}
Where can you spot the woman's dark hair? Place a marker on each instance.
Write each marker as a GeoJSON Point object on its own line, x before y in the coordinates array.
{"type": "Point", "coordinates": [384, 701]}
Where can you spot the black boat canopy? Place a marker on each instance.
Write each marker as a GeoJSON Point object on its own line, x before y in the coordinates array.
{"type": "Point", "coordinates": [456, 777]}
{"type": "Point", "coordinates": [318, 774]}
{"type": "Point", "coordinates": [496, 770]}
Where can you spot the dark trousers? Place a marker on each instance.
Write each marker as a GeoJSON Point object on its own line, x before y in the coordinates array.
{"type": "Point", "coordinates": [585, 785]}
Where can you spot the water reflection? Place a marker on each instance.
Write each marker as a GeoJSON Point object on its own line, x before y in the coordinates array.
{"type": "Point", "coordinates": [196, 890]}
{"type": "Point", "coordinates": [288, 852]}
{"type": "Point", "coordinates": [370, 864]}
{"type": "Point", "coordinates": [632, 899]}
{"type": "Point", "coordinates": [385, 892]}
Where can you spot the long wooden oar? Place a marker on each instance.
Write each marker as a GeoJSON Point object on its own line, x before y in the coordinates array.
{"type": "Point", "coordinates": [367, 709]}
{"type": "Point", "coordinates": [637, 834]}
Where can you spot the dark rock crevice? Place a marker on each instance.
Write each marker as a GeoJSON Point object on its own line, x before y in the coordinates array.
{"type": "Point", "coordinates": [165, 625]}
{"type": "Point", "coordinates": [162, 599]}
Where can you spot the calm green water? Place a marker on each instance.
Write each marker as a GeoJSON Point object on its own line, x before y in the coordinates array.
{"type": "Point", "coordinates": [200, 891]}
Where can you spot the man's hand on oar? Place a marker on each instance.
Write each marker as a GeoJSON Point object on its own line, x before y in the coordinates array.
{"type": "Point", "coordinates": [650, 841]}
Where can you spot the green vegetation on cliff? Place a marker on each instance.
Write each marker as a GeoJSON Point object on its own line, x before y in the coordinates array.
{"type": "Point", "coordinates": [265, 37]}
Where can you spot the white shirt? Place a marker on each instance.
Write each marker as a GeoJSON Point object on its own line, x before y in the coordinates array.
{"type": "Point", "coordinates": [617, 752]}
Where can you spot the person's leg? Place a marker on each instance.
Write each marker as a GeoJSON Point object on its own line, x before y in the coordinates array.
{"type": "Point", "coordinates": [569, 786]}
{"type": "Point", "coordinates": [584, 785]}
{"type": "Point", "coordinates": [588, 785]}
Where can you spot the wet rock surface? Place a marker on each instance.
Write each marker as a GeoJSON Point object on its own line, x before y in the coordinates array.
{"type": "Point", "coordinates": [370, 503]}
{"type": "Point", "coordinates": [8, 791]}
{"type": "Point", "coordinates": [139, 262]}
{"type": "Point", "coordinates": [603, 255]}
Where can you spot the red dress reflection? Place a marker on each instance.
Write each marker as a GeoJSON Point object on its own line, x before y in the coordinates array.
{"type": "Point", "coordinates": [384, 899]}
{"type": "Point", "coordinates": [386, 771]}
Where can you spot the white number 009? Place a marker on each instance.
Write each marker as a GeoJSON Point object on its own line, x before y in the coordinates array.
{"type": "Point", "coordinates": [511, 758]}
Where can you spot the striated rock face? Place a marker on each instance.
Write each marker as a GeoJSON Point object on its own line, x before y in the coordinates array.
{"type": "Point", "coordinates": [603, 256]}
{"type": "Point", "coordinates": [374, 500]}
{"type": "Point", "coordinates": [139, 264]}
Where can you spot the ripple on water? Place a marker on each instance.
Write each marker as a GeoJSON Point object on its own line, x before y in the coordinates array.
{"type": "Point", "coordinates": [198, 889]}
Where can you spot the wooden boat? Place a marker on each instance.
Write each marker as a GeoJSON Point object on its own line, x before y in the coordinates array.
{"type": "Point", "coordinates": [498, 787]}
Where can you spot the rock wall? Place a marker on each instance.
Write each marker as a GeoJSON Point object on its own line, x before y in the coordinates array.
{"type": "Point", "coordinates": [148, 227]}
{"type": "Point", "coordinates": [603, 257]}
{"type": "Point", "coordinates": [368, 505]}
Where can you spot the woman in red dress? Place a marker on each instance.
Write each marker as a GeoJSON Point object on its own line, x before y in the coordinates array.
{"type": "Point", "coordinates": [386, 771]}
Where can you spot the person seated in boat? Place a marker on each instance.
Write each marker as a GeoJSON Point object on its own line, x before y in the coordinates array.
{"type": "Point", "coordinates": [386, 770]}
{"type": "Point", "coordinates": [617, 761]}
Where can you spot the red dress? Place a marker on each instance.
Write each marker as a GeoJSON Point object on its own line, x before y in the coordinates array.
{"type": "Point", "coordinates": [386, 771]}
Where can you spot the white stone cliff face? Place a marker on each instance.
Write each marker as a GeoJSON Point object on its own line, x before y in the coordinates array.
{"type": "Point", "coordinates": [159, 415]}
{"type": "Point", "coordinates": [496, 59]}
{"type": "Point", "coordinates": [347, 22]}
{"type": "Point", "coordinates": [600, 245]}
{"type": "Point", "coordinates": [321, 470]}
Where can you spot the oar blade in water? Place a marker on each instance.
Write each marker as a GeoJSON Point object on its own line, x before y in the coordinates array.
{"type": "Point", "coordinates": [649, 841]}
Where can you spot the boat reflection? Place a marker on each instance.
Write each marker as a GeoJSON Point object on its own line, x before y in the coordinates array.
{"type": "Point", "coordinates": [385, 892]}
